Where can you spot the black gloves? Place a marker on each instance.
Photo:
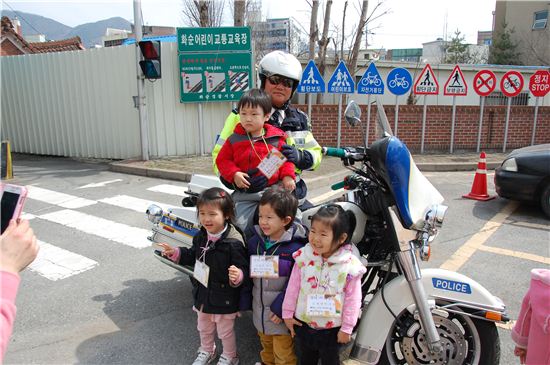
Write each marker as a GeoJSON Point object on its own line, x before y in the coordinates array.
{"type": "Point", "coordinates": [257, 180]}
{"type": "Point", "coordinates": [302, 159]}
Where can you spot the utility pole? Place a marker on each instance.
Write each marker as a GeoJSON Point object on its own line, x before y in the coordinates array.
{"type": "Point", "coordinates": [142, 112]}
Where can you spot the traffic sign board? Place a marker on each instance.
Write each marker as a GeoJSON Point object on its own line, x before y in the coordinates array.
{"type": "Point", "coordinates": [312, 81]}
{"type": "Point", "coordinates": [511, 83]}
{"type": "Point", "coordinates": [214, 39]}
{"type": "Point", "coordinates": [341, 81]}
{"type": "Point", "coordinates": [371, 82]}
{"type": "Point", "coordinates": [456, 84]}
{"type": "Point", "coordinates": [485, 82]}
{"type": "Point", "coordinates": [539, 83]}
{"type": "Point", "coordinates": [426, 84]}
{"type": "Point", "coordinates": [399, 81]}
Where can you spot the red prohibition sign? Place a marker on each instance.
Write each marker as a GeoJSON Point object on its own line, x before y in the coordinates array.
{"type": "Point", "coordinates": [485, 82]}
{"type": "Point", "coordinates": [511, 83]}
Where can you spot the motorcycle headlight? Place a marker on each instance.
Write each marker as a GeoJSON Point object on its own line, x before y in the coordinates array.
{"type": "Point", "coordinates": [435, 215]}
{"type": "Point", "coordinates": [510, 165]}
{"type": "Point", "coordinates": [154, 213]}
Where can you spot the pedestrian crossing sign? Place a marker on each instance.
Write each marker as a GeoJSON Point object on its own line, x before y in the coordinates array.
{"type": "Point", "coordinates": [371, 82]}
{"type": "Point", "coordinates": [426, 84]}
{"type": "Point", "coordinates": [312, 82]}
{"type": "Point", "coordinates": [341, 81]}
{"type": "Point", "coordinates": [456, 84]}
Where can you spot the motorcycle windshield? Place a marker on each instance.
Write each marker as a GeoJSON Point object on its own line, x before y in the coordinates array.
{"type": "Point", "coordinates": [413, 193]}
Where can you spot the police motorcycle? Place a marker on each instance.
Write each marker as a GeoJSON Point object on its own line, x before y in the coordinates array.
{"type": "Point", "coordinates": [409, 315]}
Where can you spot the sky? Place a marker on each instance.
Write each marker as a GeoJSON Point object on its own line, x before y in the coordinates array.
{"type": "Point", "coordinates": [408, 23]}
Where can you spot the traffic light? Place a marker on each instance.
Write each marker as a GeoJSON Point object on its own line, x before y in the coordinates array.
{"type": "Point", "coordinates": [150, 50]}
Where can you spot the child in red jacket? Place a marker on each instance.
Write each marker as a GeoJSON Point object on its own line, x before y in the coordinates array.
{"type": "Point", "coordinates": [251, 153]}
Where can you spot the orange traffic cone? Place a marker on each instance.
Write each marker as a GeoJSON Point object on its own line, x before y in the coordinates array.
{"type": "Point", "coordinates": [479, 187]}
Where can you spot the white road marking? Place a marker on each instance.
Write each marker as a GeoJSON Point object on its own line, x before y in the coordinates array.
{"type": "Point", "coordinates": [60, 199]}
{"type": "Point", "coordinates": [169, 189]}
{"type": "Point", "coordinates": [462, 255]}
{"type": "Point", "coordinates": [99, 184]}
{"type": "Point", "coordinates": [55, 263]}
{"type": "Point", "coordinates": [113, 231]}
{"type": "Point", "coordinates": [132, 203]}
{"type": "Point", "coordinates": [27, 216]}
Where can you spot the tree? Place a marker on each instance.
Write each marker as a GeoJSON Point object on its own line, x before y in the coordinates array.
{"type": "Point", "coordinates": [313, 29]}
{"type": "Point", "coordinates": [323, 44]}
{"type": "Point", "coordinates": [239, 10]}
{"type": "Point", "coordinates": [504, 50]}
{"type": "Point", "coordinates": [203, 13]}
{"type": "Point", "coordinates": [361, 28]}
{"type": "Point", "coordinates": [456, 51]}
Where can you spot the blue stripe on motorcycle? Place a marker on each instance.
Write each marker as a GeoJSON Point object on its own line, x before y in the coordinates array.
{"type": "Point", "coordinates": [170, 223]}
{"type": "Point", "coordinates": [398, 165]}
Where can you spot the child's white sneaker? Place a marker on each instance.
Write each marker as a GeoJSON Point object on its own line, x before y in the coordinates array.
{"type": "Point", "coordinates": [224, 360]}
{"type": "Point", "coordinates": [204, 357]}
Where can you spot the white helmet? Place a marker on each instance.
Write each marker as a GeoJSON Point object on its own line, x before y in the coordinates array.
{"type": "Point", "coordinates": [280, 63]}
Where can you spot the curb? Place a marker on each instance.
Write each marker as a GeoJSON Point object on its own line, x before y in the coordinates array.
{"type": "Point", "coordinates": [126, 167]}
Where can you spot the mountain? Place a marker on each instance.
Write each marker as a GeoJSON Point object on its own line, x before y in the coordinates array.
{"type": "Point", "coordinates": [90, 33]}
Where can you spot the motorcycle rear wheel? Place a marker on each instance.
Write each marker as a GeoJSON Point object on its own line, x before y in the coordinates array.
{"type": "Point", "coordinates": [465, 341]}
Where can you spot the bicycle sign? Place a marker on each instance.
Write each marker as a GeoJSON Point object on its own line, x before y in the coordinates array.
{"type": "Point", "coordinates": [399, 81]}
{"type": "Point", "coordinates": [371, 82]}
{"type": "Point", "coordinates": [511, 83]}
{"type": "Point", "coordinates": [312, 81]}
{"type": "Point", "coordinates": [426, 84]}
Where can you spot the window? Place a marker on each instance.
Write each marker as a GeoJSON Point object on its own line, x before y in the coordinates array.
{"type": "Point", "coordinates": [540, 19]}
{"type": "Point", "coordinates": [498, 98]}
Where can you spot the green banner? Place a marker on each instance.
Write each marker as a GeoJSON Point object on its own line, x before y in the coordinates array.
{"type": "Point", "coordinates": [215, 76]}
{"type": "Point", "coordinates": [214, 39]}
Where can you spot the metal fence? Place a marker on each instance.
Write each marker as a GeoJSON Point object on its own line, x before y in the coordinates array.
{"type": "Point", "coordinates": [80, 104]}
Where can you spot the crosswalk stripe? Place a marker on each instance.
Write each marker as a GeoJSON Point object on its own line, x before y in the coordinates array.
{"type": "Point", "coordinates": [60, 199]}
{"type": "Point", "coordinates": [169, 189]}
{"type": "Point", "coordinates": [27, 216]}
{"type": "Point", "coordinates": [132, 203]}
{"type": "Point", "coordinates": [113, 231]}
{"type": "Point", "coordinates": [55, 263]}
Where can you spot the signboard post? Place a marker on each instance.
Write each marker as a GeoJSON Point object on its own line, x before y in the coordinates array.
{"type": "Point", "coordinates": [511, 85]}
{"type": "Point", "coordinates": [539, 85]}
{"type": "Point", "coordinates": [311, 83]}
{"type": "Point", "coordinates": [426, 84]}
{"type": "Point", "coordinates": [399, 81]}
{"type": "Point", "coordinates": [340, 82]}
{"type": "Point", "coordinates": [215, 64]}
{"type": "Point", "coordinates": [455, 85]}
{"type": "Point", "coordinates": [485, 82]}
{"type": "Point", "coordinates": [370, 83]}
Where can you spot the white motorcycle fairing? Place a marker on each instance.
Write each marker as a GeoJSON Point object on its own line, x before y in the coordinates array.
{"type": "Point", "coordinates": [440, 285]}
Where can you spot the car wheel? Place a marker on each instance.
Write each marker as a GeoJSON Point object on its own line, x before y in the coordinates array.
{"type": "Point", "coordinates": [545, 200]}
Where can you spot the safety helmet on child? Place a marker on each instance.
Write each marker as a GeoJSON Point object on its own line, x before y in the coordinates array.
{"type": "Point", "coordinates": [280, 63]}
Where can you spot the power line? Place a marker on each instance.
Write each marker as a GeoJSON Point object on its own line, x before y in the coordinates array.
{"type": "Point", "coordinates": [19, 16]}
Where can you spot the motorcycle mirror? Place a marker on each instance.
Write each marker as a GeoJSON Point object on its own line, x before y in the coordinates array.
{"type": "Point", "coordinates": [353, 113]}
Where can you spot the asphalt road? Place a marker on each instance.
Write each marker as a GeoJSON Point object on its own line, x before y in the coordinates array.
{"type": "Point", "coordinates": [119, 305]}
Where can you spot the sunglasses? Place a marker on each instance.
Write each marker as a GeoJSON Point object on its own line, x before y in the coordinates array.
{"type": "Point", "coordinates": [276, 80]}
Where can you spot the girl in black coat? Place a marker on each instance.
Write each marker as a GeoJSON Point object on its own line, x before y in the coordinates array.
{"type": "Point", "coordinates": [220, 259]}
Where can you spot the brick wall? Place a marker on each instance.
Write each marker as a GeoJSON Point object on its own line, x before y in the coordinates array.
{"type": "Point", "coordinates": [438, 126]}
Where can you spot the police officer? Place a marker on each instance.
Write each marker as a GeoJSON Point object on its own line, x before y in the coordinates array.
{"type": "Point", "coordinates": [280, 73]}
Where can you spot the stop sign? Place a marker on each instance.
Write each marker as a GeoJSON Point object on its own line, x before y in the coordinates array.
{"type": "Point", "coordinates": [539, 83]}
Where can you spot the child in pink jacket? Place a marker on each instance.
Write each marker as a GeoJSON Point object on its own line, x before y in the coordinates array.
{"type": "Point", "coordinates": [532, 330]}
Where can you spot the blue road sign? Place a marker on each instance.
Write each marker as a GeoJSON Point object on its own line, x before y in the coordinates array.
{"type": "Point", "coordinates": [341, 81]}
{"type": "Point", "coordinates": [399, 81]}
{"type": "Point", "coordinates": [312, 81]}
{"type": "Point", "coordinates": [371, 82]}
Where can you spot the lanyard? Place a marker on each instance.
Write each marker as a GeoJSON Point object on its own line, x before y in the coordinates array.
{"type": "Point", "coordinates": [323, 282]}
{"type": "Point", "coordinates": [206, 247]}
{"type": "Point", "coordinates": [252, 144]}
{"type": "Point", "coordinates": [273, 253]}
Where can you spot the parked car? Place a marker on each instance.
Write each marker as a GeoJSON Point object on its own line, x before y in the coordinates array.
{"type": "Point", "coordinates": [525, 175]}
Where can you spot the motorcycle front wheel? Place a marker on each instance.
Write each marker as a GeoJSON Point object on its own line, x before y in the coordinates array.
{"type": "Point", "coordinates": [465, 341]}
